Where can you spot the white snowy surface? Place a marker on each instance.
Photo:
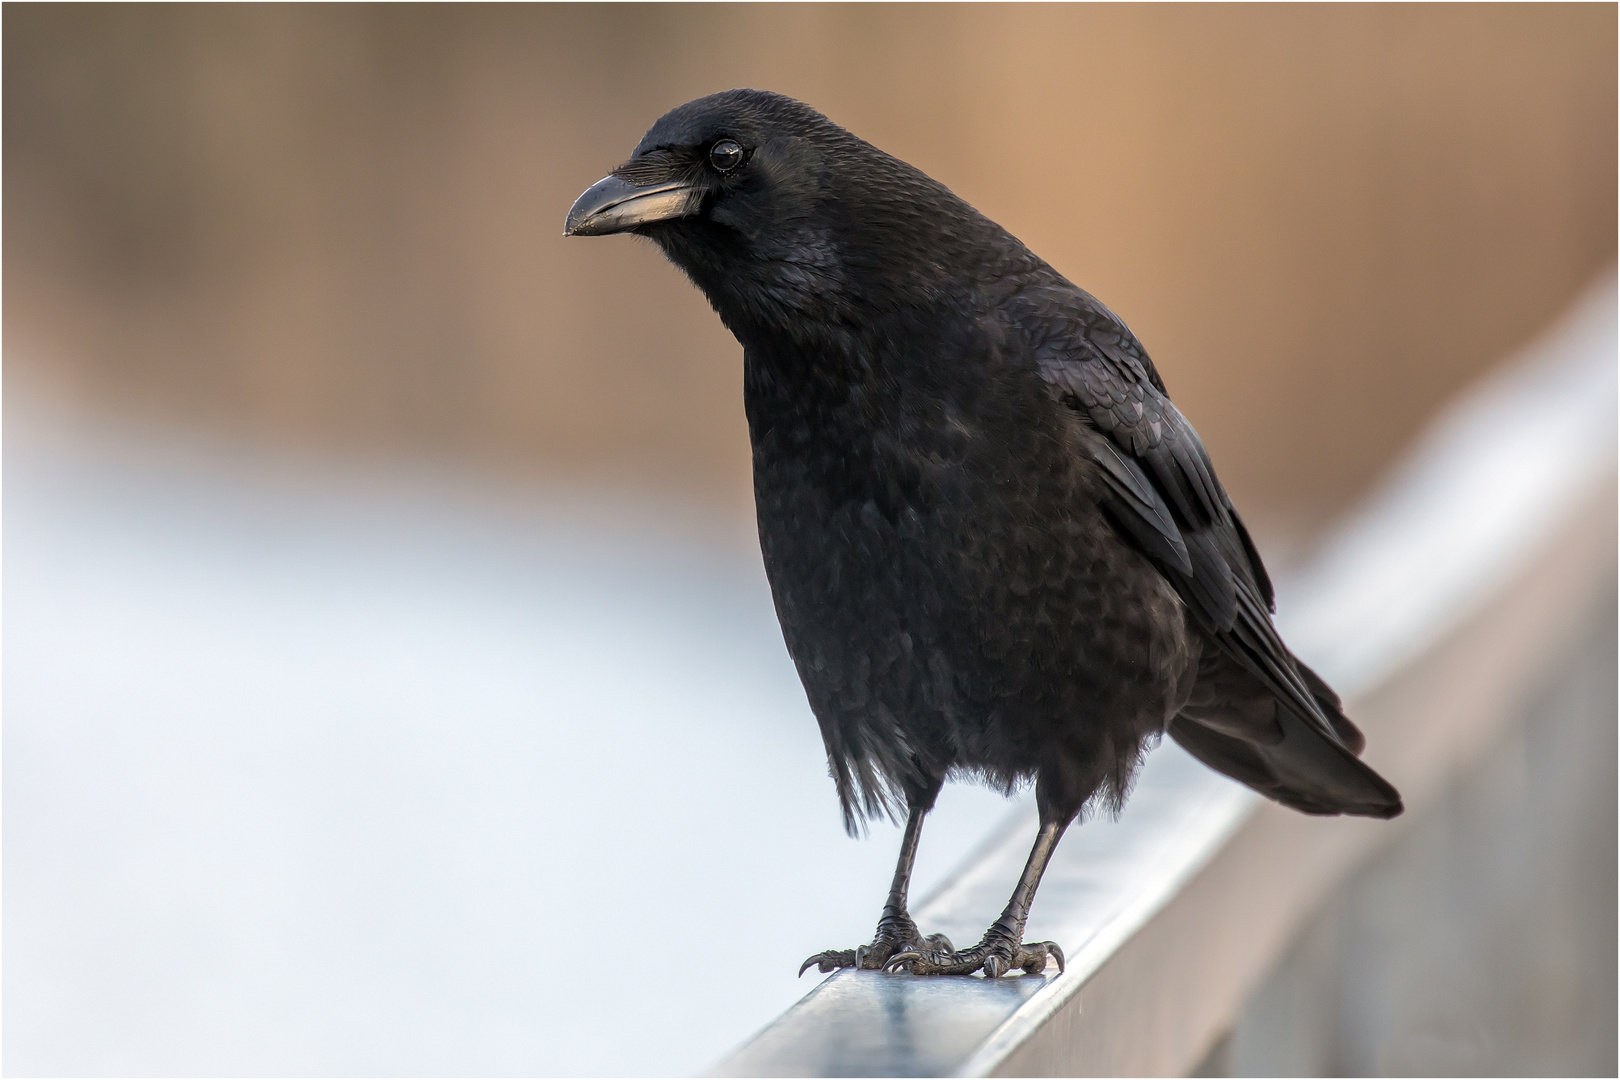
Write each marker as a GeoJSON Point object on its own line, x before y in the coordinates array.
{"type": "Point", "coordinates": [352, 774]}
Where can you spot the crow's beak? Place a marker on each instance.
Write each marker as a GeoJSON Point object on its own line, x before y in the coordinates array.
{"type": "Point", "coordinates": [612, 205]}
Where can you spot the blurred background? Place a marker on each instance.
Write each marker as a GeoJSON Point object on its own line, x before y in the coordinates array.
{"type": "Point", "coordinates": [368, 541]}
{"type": "Point", "coordinates": [340, 227]}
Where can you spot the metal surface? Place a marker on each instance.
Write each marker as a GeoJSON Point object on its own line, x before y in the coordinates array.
{"type": "Point", "coordinates": [1483, 941]}
{"type": "Point", "coordinates": [1105, 879]}
{"type": "Point", "coordinates": [1431, 609]}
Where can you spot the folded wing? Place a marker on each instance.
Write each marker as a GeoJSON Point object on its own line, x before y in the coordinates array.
{"type": "Point", "coordinates": [1257, 714]}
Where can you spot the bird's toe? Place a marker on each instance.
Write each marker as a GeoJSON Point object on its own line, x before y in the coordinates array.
{"type": "Point", "coordinates": [896, 936]}
{"type": "Point", "coordinates": [1033, 958]}
{"type": "Point", "coordinates": [937, 963]}
{"type": "Point", "coordinates": [993, 957]}
{"type": "Point", "coordinates": [831, 960]}
{"type": "Point", "coordinates": [903, 960]}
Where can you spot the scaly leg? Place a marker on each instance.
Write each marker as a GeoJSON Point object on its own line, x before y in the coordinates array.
{"type": "Point", "coordinates": [895, 932]}
{"type": "Point", "coordinates": [1002, 947]}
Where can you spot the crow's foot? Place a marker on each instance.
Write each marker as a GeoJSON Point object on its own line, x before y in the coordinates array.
{"type": "Point", "coordinates": [996, 955]}
{"type": "Point", "coordinates": [895, 934]}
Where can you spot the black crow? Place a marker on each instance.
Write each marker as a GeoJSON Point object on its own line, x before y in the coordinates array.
{"type": "Point", "coordinates": [996, 548]}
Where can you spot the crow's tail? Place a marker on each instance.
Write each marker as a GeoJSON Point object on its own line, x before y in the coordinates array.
{"type": "Point", "coordinates": [1303, 768]}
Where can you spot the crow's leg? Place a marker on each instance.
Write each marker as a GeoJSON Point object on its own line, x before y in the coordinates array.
{"type": "Point", "coordinates": [1002, 948]}
{"type": "Point", "coordinates": [896, 932]}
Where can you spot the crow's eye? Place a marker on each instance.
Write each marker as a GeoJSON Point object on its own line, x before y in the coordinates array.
{"type": "Point", "coordinates": [725, 155]}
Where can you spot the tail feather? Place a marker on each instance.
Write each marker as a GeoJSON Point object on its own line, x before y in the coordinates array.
{"type": "Point", "coordinates": [1333, 709]}
{"type": "Point", "coordinates": [1304, 768]}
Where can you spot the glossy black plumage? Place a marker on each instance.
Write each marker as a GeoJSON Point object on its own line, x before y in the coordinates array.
{"type": "Point", "coordinates": [995, 546]}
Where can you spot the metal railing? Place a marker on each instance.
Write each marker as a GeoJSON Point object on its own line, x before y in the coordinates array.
{"type": "Point", "coordinates": [1433, 609]}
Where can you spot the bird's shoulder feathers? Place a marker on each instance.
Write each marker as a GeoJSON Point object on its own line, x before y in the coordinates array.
{"type": "Point", "coordinates": [1161, 489]}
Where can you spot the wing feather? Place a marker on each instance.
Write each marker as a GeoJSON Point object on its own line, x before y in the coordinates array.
{"type": "Point", "coordinates": [1162, 489]}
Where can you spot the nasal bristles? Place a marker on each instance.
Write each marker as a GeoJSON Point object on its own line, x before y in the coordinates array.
{"type": "Point", "coordinates": [657, 167]}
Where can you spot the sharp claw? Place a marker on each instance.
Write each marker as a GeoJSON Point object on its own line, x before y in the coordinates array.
{"type": "Point", "coordinates": [889, 953]}
{"type": "Point", "coordinates": [899, 959]}
{"type": "Point", "coordinates": [825, 961]}
{"type": "Point", "coordinates": [941, 960]}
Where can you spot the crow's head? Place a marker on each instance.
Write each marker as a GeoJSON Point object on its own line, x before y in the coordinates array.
{"type": "Point", "coordinates": [777, 213]}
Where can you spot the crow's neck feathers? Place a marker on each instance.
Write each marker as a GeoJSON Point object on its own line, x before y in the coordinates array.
{"type": "Point", "coordinates": [828, 236]}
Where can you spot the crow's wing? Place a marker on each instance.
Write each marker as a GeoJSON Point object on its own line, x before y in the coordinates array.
{"type": "Point", "coordinates": [1162, 490]}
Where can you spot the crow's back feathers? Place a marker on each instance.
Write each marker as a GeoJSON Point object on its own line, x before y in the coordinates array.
{"type": "Point", "coordinates": [1163, 493]}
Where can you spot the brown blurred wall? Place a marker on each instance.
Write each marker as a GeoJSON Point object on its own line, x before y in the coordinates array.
{"type": "Point", "coordinates": [340, 226]}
